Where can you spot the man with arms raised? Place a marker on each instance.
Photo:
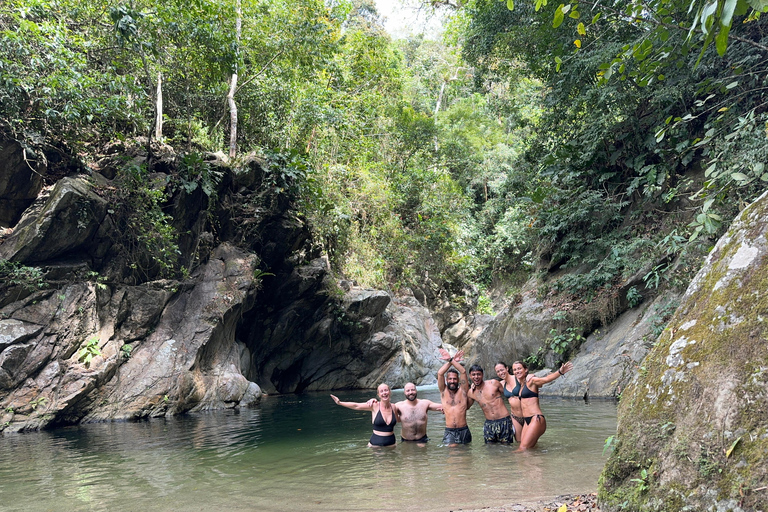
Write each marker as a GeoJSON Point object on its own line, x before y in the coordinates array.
{"type": "Point", "coordinates": [412, 413]}
{"type": "Point", "coordinates": [453, 386]}
{"type": "Point", "coordinates": [490, 395]}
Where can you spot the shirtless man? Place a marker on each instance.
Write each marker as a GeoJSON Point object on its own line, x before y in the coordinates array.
{"type": "Point", "coordinates": [412, 413]}
{"type": "Point", "coordinates": [453, 386]}
{"type": "Point", "coordinates": [490, 395]}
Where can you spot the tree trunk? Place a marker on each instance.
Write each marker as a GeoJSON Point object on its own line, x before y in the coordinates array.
{"type": "Point", "coordinates": [159, 109]}
{"type": "Point", "coordinates": [232, 117]}
{"type": "Point", "coordinates": [233, 86]}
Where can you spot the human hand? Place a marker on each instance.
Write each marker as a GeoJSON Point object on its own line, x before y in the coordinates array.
{"type": "Point", "coordinates": [444, 354]}
{"type": "Point", "coordinates": [371, 402]}
{"type": "Point", "coordinates": [458, 356]}
{"type": "Point", "coordinates": [566, 368]}
{"type": "Point", "coordinates": [335, 399]}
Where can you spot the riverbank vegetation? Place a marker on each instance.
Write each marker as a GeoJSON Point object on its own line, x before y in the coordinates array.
{"type": "Point", "coordinates": [582, 144]}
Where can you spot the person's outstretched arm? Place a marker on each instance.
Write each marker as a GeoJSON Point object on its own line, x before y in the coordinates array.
{"type": "Point", "coordinates": [356, 406]}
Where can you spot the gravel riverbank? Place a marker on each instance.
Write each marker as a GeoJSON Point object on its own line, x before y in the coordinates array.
{"type": "Point", "coordinates": [571, 502]}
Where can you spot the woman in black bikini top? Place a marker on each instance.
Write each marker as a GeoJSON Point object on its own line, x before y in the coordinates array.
{"type": "Point", "coordinates": [527, 393]}
{"type": "Point", "coordinates": [508, 380]}
{"type": "Point", "coordinates": [383, 428]}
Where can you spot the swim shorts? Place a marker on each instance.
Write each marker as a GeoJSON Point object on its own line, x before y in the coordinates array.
{"type": "Point", "coordinates": [499, 431]}
{"type": "Point", "coordinates": [457, 436]}
{"type": "Point", "coordinates": [422, 440]}
{"type": "Point", "coordinates": [377, 440]}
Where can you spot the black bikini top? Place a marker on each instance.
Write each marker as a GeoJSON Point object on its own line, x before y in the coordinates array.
{"type": "Point", "coordinates": [381, 425]}
{"type": "Point", "coordinates": [526, 393]}
{"type": "Point", "coordinates": [515, 391]}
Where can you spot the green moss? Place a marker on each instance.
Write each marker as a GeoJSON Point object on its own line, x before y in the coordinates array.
{"type": "Point", "coordinates": [698, 382]}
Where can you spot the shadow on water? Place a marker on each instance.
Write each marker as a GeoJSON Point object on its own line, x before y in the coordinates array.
{"type": "Point", "coordinates": [295, 452]}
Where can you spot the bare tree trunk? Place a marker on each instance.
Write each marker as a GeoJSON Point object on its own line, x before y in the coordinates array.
{"type": "Point", "coordinates": [159, 109]}
{"type": "Point", "coordinates": [233, 88]}
{"type": "Point", "coordinates": [440, 98]}
{"type": "Point", "coordinates": [232, 116]}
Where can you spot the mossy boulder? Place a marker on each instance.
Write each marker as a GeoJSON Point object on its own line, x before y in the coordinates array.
{"type": "Point", "coordinates": [693, 426]}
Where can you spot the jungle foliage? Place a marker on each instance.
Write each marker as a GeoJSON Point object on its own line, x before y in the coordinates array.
{"type": "Point", "coordinates": [604, 139]}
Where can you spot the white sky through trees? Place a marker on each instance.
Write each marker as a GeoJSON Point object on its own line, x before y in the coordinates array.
{"type": "Point", "coordinates": [405, 17]}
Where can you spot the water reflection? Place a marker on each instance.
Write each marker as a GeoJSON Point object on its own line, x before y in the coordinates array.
{"type": "Point", "coordinates": [295, 452]}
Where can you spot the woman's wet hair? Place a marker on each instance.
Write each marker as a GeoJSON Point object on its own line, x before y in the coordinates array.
{"type": "Point", "coordinates": [502, 363]}
{"type": "Point", "coordinates": [521, 364]}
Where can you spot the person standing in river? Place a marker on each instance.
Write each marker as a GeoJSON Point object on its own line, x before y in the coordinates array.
{"type": "Point", "coordinates": [453, 386]}
{"type": "Point", "coordinates": [527, 391]}
{"type": "Point", "coordinates": [383, 416]}
{"type": "Point", "coordinates": [488, 393]}
{"type": "Point", "coordinates": [508, 382]}
{"type": "Point", "coordinates": [412, 413]}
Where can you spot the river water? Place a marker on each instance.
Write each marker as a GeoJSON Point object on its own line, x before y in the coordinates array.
{"type": "Point", "coordinates": [296, 452]}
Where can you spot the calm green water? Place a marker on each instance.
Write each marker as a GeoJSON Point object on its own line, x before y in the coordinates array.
{"type": "Point", "coordinates": [295, 453]}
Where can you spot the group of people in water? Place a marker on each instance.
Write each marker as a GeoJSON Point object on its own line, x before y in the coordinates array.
{"type": "Point", "coordinates": [525, 424]}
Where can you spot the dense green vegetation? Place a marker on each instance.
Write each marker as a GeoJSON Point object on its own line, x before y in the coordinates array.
{"type": "Point", "coordinates": [529, 140]}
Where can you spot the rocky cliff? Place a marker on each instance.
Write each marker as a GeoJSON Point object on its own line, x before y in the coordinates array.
{"type": "Point", "coordinates": [693, 426]}
{"type": "Point", "coordinates": [94, 327]}
{"type": "Point", "coordinates": [89, 331]}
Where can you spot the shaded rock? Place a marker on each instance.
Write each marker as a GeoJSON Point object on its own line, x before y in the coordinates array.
{"type": "Point", "coordinates": [56, 225]}
{"type": "Point", "coordinates": [693, 428]}
{"type": "Point", "coordinates": [22, 170]}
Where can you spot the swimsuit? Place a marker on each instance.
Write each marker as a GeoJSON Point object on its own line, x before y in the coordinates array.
{"type": "Point", "coordinates": [377, 440]}
{"type": "Point", "coordinates": [422, 440]}
{"type": "Point", "coordinates": [382, 426]}
{"type": "Point", "coordinates": [516, 389]}
{"type": "Point", "coordinates": [460, 435]}
{"type": "Point", "coordinates": [518, 419]}
{"type": "Point", "coordinates": [527, 393]}
{"type": "Point", "coordinates": [499, 431]}
{"type": "Point", "coordinates": [507, 393]}
{"type": "Point", "coordinates": [529, 418]}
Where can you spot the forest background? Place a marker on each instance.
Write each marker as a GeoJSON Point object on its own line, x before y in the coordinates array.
{"type": "Point", "coordinates": [577, 144]}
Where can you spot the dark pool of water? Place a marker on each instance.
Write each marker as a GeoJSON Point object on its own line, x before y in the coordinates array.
{"type": "Point", "coordinates": [295, 452]}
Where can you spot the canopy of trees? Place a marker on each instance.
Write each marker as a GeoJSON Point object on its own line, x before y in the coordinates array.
{"type": "Point", "coordinates": [603, 138]}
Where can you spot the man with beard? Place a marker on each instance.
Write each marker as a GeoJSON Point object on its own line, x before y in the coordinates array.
{"type": "Point", "coordinates": [453, 386]}
{"type": "Point", "coordinates": [412, 413]}
{"type": "Point", "coordinates": [490, 395]}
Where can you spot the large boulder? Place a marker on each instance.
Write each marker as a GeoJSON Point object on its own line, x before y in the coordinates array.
{"type": "Point", "coordinates": [164, 347]}
{"type": "Point", "coordinates": [56, 225]}
{"type": "Point", "coordinates": [516, 332]}
{"type": "Point", "coordinates": [22, 170]}
{"type": "Point", "coordinates": [693, 426]}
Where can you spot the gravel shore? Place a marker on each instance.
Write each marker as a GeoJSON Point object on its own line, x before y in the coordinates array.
{"type": "Point", "coordinates": [564, 503]}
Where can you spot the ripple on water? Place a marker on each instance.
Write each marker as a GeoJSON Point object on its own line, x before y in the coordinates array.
{"type": "Point", "coordinates": [294, 452]}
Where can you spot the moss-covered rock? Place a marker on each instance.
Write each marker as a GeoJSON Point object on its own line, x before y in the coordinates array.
{"type": "Point", "coordinates": [693, 426]}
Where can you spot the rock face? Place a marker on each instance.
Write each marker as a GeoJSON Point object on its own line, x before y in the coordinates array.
{"type": "Point", "coordinates": [611, 356]}
{"type": "Point", "coordinates": [693, 426]}
{"type": "Point", "coordinates": [93, 347]}
{"type": "Point", "coordinates": [21, 180]}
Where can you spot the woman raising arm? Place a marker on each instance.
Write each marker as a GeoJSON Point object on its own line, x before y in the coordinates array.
{"type": "Point", "coordinates": [383, 416]}
{"type": "Point", "coordinates": [534, 424]}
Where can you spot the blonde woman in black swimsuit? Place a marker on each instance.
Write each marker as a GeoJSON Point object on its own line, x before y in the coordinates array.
{"type": "Point", "coordinates": [527, 391]}
{"type": "Point", "coordinates": [383, 416]}
{"type": "Point", "coordinates": [510, 384]}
